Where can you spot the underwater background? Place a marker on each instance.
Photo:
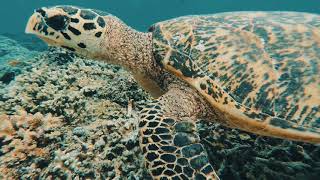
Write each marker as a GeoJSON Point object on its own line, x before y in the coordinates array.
{"type": "Point", "coordinates": [65, 117]}
{"type": "Point", "coordinates": [140, 14]}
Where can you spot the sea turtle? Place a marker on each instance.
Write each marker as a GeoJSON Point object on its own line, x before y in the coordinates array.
{"type": "Point", "coordinates": [256, 71]}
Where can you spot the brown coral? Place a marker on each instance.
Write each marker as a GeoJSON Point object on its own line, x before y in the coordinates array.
{"type": "Point", "coordinates": [20, 136]}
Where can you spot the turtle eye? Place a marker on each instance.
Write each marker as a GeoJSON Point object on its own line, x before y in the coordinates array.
{"type": "Point", "coordinates": [57, 22]}
{"type": "Point", "coordinates": [42, 12]}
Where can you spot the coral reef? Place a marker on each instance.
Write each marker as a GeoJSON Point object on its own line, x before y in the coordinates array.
{"type": "Point", "coordinates": [236, 154]}
{"type": "Point", "coordinates": [32, 43]}
{"type": "Point", "coordinates": [36, 146]}
{"type": "Point", "coordinates": [90, 133]}
{"type": "Point", "coordinates": [65, 85]}
{"type": "Point", "coordinates": [24, 137]}
{"type": "Point", "coordinates": [11, 49]}
{"type": "Point", "coordinates": [98, 138]}
{"type": "Point", "coordinates": [13, 58]}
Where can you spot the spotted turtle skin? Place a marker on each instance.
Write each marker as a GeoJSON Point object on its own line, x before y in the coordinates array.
{"type": "Point", "coordinates": [260, 70]}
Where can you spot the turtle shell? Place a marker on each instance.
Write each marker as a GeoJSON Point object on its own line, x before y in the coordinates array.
{"type": "Point", "coordinates": [259, 69]}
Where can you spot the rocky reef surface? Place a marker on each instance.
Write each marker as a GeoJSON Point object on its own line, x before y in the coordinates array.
{"type": "Point", "coordinates": [13, 57]}
{"type": "Point", "coordinates": [64, 117]}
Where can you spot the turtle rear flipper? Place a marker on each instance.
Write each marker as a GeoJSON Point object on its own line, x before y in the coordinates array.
{"type": "Point", "coordinates": [172, 148]}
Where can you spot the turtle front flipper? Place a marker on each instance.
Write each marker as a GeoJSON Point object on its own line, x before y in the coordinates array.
{"type": "Point", "coordinates": [171, 147]}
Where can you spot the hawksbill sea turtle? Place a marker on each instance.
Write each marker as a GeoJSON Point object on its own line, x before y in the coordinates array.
{"type": "Point", "coordinates": [256, 71]}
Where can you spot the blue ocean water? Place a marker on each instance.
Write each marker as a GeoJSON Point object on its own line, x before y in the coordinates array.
{"type": "Point", "coordinates": [142, 13]}
{"type": "Point", "coordinates": [139, 14]}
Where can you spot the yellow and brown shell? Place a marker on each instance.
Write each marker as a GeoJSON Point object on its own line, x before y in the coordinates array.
{"type": "Point", "coordinates": [259, 69]}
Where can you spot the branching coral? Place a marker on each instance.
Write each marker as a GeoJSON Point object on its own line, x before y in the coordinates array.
{"type": "Point", "coordinates": [37, 146]}
{"type": "Point", "coordinates": [21, 138]}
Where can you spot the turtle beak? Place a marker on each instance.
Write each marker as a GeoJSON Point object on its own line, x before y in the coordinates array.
{"type": "Point", "coordinates": [32, 24]}
{"type": "Point", "coordinates": [35, 22]}
{"type": "Point", "coordinates": [36, 25]}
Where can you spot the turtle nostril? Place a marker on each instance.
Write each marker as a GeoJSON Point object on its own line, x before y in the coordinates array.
{"type": "Point", "coordinates": [41, 11]}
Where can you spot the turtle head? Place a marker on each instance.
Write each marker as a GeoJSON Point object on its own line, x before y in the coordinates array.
{"type": "Point", "coordinates": [93, 34]}
{"type": "Point", "coordinates": [73, 28]}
